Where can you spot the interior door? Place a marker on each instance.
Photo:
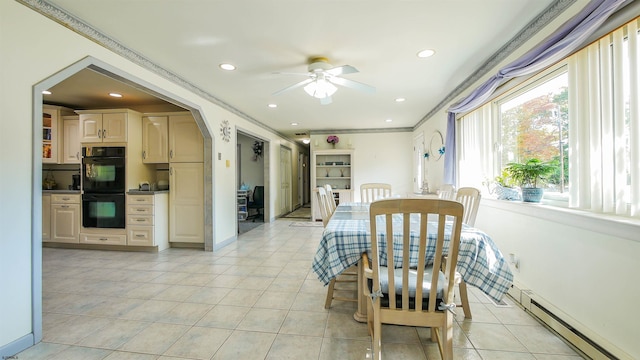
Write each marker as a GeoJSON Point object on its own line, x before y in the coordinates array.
{"type": "Point", "coordinates": [285, 180]}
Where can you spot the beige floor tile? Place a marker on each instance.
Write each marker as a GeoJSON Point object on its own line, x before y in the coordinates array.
{"type": "Point", "coordinates": [115, 307]}
{"type": "Point", "coordinates": [254, 283]}
{"type": "Point", "coordinates": [170, 278]}
{"type": "Point", "coordinates": [309, 302]}
{"type": "Point", "coordinates": [42, 351]}
{"type": "Point", "coordinates": [460, 339]}
{"type": "Point", "coordinates": [432, 352]}
{"type": "Point", "coordinates": [540, 340]}
{"type": "Point", "coordinates": [199, 343]}
{"type": "Point", "coordinates": [227, 281]}
{"type": "Point", "coordinates": [225, 317]}
{"type": "Point", "coordinates": [186, 313]}
{"type": "Point", "coordinates": [400, 334]}
{"type": "Point", "coordinates": [81, 353]}
{"type": "Point", "coordinates": [150, 310]}
{"type": "Point", "coordinates": [505, 355]}
{"type": "Point", "coordinates": [200, 279]}
{"type": "Point", "coordinates": [208, 295]}
{"type": "Point", "coordinates": [146, 291]}
{"type": "Point", "coordinates": [492, 337]}
{"type": "Point", "coordinates": [342, 325]}
{"type": "Point", "coordinates": [246, 345]}
{"type": "Point", "coordinates": [276, 300]}
{"type": "Point", "coordinates": [241, 297]}
{"type": "Point", "coordinates": [115, 334]}
{"type": "Point", "coordinates": [155, 338]}
{"type": "Point", "coordinates": [283, 283]}
{"type": "Point", "coordinates": [123, 355]}
{"type": "Point", "coordinates": [294, 347]}
{"type": "Point", "coordinates": [265, 320]}
{"type": "Point", "coordinates": [176, 293]}
{"type": "Point", "coordinates": [345, 349]}
{"type": "Point", "coordinates": [304, 323]}
{"type": "Point", "coordinates": [75, 329]}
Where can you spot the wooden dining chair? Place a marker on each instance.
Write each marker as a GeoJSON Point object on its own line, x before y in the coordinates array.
{"type": "Point", "coordinates": [399, 294]}
{"type": "Point", "coordinates": [374, 191]}
{"type": "Point", "coordinates": [447, 192]}
{"type": "Point", "coordinates": [469, 198]}
{"type": "Point", "coordinates": [331, 197]}
{"type": "Point", "coordinates": [350, 275]}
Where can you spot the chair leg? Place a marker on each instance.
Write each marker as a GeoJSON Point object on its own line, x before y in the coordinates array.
{"type": "Point", "coordinates": [464, 298]}
{"type": "Point", "coordinates": [377, 335]}
{"type": "Point", "coordinates": [327, 302]}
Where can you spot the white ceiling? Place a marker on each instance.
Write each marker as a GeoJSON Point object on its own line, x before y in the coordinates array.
{"type": "Point", "coordinates": [379, 37]}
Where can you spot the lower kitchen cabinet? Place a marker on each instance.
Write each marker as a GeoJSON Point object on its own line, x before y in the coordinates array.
{"type": "Point", "coordinates": [46, 217]}
{"type": "Point", "coordinates": [147, 220]}
{"type": "Point", "coordinates": [65, 218]}
{"type": "Point", "coordinates": [186, 209]}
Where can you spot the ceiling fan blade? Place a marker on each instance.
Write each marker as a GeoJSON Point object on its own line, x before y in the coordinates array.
{"type": "Point", "coordinates": [352, 84]}
{"type": "Point", "coordinates": [290, 73]}
{"type": "Point", "coordinates": [294, 86]}
{"type": "Point", "coordinates": [340, 70]}
{"type": "Point", "coordinates": [326, 100]}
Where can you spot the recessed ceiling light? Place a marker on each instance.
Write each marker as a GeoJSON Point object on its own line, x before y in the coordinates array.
{"type": "Point", "coordinates": [273, 106]}
{"type": "Point", "coordinates": [389, 120]}
{"type": "Point", "coordinates": [306, 141]}
{"type": "Point", "coordinates": [400, 99]}
{"type": "Point", "coordinates": [227, 67]}
{"type": "Point", "coordinates": [294, 124]}
{"type": "Point", "coordinates": [426, 53]}
{"type": "Point", "coordinates": [116, 95]}
{"type": "Point", "coordinates": [46, 92]}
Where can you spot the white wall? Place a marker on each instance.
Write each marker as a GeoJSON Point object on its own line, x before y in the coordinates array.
{"type": "Point", "coordinates": [377, 157]}
{"type": "Point", "coordinates": [252, 172]}
{"type": "Point", "coordinates": [34, 48]}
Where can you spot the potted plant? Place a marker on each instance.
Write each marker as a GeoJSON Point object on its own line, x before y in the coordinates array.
{"type": "Point", "coordinates": [528, 174]}
{"type": "Point", "coordinates": [504, 187]}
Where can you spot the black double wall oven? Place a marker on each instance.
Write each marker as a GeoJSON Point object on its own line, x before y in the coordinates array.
{"type": "Point", "coordinates": [103, 187]}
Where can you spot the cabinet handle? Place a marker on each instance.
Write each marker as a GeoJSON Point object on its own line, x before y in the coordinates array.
{"type": "Point", "coordinates": [171, 154]}
{"type": "Point", "coordinates": [170, 171]}
{"type": "Point", "coordinates": [99, 134]}
{"type": "Point", "coordinates": [65, 206]}
{"type": "Point", "coordinates": [139, 199]}
{"type": "Point", "coordinates": [138, 235]}
{"type": "Point", "coordinates": [103, 239]}
{"type": "Point", "coordinates": [139, 210]}
{"type": "Point", "coordinates": [104, 133]}
{"type": "Point", "coordinates": [139, 220]}
{"type": "Point", "coordinates": [66, 198]}
{"type": "Point", "coordinates": [78, 155]}
{"type": "Point", "coordinates": [144, 154]}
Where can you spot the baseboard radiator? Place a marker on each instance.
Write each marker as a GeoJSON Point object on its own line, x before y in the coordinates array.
{"type": "Point", "coordinates": [589, 343]}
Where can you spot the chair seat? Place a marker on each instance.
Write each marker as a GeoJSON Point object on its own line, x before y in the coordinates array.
{"type": "Point", "coordinates": [426, 286]}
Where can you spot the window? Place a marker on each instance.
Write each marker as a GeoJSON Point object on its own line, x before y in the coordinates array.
{"type": "Point", "coordinates": [583, 114]}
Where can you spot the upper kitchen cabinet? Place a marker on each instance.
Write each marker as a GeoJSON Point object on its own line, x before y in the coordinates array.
{"type": "Point", "coordinates": [107, 126]}
{"type": "Point", "coordinates": [155, 139]}
{"type": "Point", "coordinates": [51, 132]}
{"type": "Point", "coordinates": [70, 142]}
{"type": "Point", "coordinates": [186, 143]}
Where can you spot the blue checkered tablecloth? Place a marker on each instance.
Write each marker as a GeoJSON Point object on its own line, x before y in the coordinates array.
{"type": "Point", "coordinates": [347, 236]}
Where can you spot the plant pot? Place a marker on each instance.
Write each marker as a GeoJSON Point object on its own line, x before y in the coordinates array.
{"type": "Point", "coordinates": [532, 194]}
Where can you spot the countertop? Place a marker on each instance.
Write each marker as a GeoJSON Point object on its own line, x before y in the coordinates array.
{"type": "Point", "coordinates": [61, 191]}
{"type": "Point", "coordinates": [146, 192]}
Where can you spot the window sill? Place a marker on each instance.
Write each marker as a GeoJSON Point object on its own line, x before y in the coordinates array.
{"type": "Point", "coordinates": [622, 227]}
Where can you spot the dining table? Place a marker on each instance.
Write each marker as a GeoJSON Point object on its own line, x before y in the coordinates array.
{"type": "Point", "coordinates": [347, 236]}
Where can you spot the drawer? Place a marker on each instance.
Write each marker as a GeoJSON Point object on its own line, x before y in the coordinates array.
{"type": "Point", "coordinates": [139, 209]}
{"type": "Point", "coordinates": [140, 236]}
{"type": "Point", "coordinates": [65, 199]}
{"type": "Point", "coordinates": [140, 199]}
{"type": "Point", "coordinates": [103, 239]}
{"type": "Point", "coordinates": [140, 220]}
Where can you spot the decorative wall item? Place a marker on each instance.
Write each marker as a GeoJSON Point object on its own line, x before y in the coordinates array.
{"type": "Point", "coordinates": [436, 147]}
{"type": "Point", "coordinates": [333, 140]}
{"type": "Point", "coordinates": [257, 150]}
{"type": "Point", "coordinates": [225, 130]}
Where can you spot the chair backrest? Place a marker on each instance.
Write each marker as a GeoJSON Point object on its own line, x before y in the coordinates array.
{"type": "Point", "coordinates": [323, 204]}
{"type": "Point", "coordinates": [447, 192]}
{"type": "Point", "coordinates": [258, 195]}
{"type": "Point", "coordinates": [406, 285]}
{"type": "Point", "coordinates": [374, 191]}
{"type": "Point", "coordinates": [470, 199]}
{"type": "Point", "coordinates": [332, 198]}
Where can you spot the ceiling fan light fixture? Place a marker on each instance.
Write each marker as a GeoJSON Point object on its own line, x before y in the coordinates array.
{"type": "Point", "coordinates": [320, 88]}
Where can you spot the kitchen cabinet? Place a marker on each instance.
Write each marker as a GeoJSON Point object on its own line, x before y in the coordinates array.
{"type": "Point", "coordinates": [46, 217]}
{"type": "Point", "coordinates": [51, 132]}
{"type": "Point", "coordinates": [155, 139]}
{"type": "Point", "coordinates": [71, 143]}
{"type": "Point", "coordinates": [65, 218]}
{"type": "Point", "coordinates": [186, 143]}
{"type": "Point", "coordinates": [104, 238]}
{"type": "Point", "coordinates": [147, 220]}
{"type": "Point", "coordinates": [333, 167]}
{"type": "Point", "coordinates": [106, 126]}
{"type": "Point", "coordinates": [186, 211]}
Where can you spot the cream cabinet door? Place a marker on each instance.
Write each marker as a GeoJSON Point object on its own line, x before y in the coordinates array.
{"type": "Point", "coordinates": [185, 140]}
{"type": "Point", "coordinates": [155, 139]}
{"type": "Point", "coordinates": [46, 217]}
{"type": "Point", "coordinates": [71, 153]}
{"type": "Point", "coordinates": [49, 135]}
{"type": "Point", "coordinates": [114, 127]}
{"type": "Point", "coordinates": [186, 204]}
{"type": "Point", "coordinates": [65, 223]}
{"type": "Point", "coordinates": [90, 127]}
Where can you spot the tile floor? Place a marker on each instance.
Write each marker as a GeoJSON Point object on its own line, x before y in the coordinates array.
{"type": "Point", "coordinates": [254, 299]}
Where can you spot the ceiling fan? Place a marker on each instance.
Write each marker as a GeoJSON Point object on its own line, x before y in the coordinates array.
{"type": "Point", "coordinates": [321, 79]}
